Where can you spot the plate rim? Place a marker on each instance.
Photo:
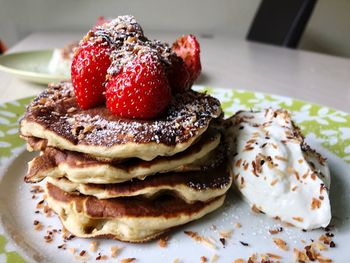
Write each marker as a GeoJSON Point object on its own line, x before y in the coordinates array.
{"type": "Point", "coordinates": [25, 73]}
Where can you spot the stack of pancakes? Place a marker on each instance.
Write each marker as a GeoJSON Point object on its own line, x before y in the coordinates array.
{"type": "Point", "coordinates": [130, 180]}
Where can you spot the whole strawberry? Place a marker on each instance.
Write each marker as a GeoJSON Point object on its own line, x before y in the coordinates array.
{"type": "Point", "coordinates": [88, 72]}
{"type": "Point", "coordinates": [187, 47]}
{"type": "Point", "coordinates": [141, 90]}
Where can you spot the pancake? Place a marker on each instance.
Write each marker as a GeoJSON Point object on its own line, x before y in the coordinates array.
{"type": "Point", "coordinates": [81, 168]}
{"type": "Point", "coordinates": [126, 219]}
{"type": "Point", "coordinates": [55, 116]}
{"type": "Point", "coordinates": [190, 186]}
{"type": "Point", "coordinates": [35, 144]}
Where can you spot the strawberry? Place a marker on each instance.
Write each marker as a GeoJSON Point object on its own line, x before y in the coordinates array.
{"type": "Point", "coordinates": [179, 76]}
{"type": "Point", "coordinates": [187, 47]}
{"type": "Point", "coordinates": [89, 69]}
{"type": "Point", "coordinates": [140, 90]}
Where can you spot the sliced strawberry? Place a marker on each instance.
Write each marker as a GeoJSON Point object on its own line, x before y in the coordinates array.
{"type": "Point", "coordinates": [178, 76]}
{"type": "Point", "coordinates": [89, 69]}
{"type": "Point", "coordinates": [187, 47]}
{"type": "Point", "coordinates": [141, 90]}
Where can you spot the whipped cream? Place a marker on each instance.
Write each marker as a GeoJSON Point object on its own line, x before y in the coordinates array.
{"type": "Point", "coordinates": [60, 65]}
{"type": "Point", "coordinates": [276, 171]}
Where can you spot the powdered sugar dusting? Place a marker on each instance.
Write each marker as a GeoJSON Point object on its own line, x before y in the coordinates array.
{"type": "Point", "coordinates": [188, 113]}
{"type": "Point", "coordinates": [127, 41]}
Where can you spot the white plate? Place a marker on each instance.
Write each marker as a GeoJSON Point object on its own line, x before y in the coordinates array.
{"type": "Point", "coordinates": [17, 206]}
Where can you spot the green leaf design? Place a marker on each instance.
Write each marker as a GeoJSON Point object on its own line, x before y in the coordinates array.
{"type": "Point", "coordinates": [3, 242]}
{"type": "Point", "coordinates": [10, 113]}
{"type": "Point", "coordinates": [14, 257]}
{"type": "Point", "coordinates": [11, 256]}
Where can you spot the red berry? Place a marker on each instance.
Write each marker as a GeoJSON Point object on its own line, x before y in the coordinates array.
{"type": "Point", "coordinates": [178, 76]}
{"type": "Point", "coordinates": [89, 69]}
{"type": "Point", "coordinates": [187, 47]}
{"type": "Point", "coordinates": [141, 90]}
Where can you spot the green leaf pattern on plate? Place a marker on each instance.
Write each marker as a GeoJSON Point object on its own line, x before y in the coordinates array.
{"type": "Point", "coordinates": [11, 256]}
{"type": "Point", "coordinates": [10, 113]}
{"type": "Point", "coordinates": [329, 127]}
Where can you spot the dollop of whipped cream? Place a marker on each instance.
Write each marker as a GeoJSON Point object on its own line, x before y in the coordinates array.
{"type": "Point", "coordinates": [276, 171]}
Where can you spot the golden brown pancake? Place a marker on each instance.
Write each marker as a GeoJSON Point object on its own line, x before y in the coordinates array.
{"type": "Point", "coordinates": [55, 116]}
{"type": "Point", "coordinates": [126, 219]}
{"type": "Point", "coordinates": [189, 186]}
{"type": "Point", "coordinates": [82, 168]}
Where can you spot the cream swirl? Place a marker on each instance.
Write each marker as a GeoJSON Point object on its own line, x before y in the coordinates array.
{"type": "Point", "coordinates": [276, 171]}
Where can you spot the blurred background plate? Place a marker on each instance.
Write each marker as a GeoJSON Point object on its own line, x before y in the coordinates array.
{"type": "Point", "coordinates": [30, 65]}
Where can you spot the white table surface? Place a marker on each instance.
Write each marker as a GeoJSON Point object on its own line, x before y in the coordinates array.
{"type": "Point", "coordinates": [231, 63]}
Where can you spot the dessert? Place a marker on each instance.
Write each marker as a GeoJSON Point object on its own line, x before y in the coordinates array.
{"type": "Point", "coordinates": [128, 150]}
{"type": "Point", "coordinates": [56, 117]}
{"type": "Point", "coordinates": [125, 219]}
{"type": "Point", "coordinates": [190, 186]}
{"type": "Point", "coordinates": [83, 168]}
{"type": "Point", "coordinates": [277, 172]}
